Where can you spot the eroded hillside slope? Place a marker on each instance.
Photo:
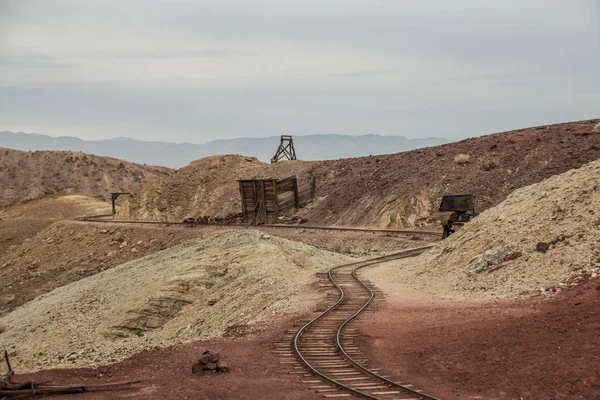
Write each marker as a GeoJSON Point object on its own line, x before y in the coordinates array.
{"type": "Point", "coordinates": [30, 175]}
{"type": "Point", "coordinates": [398, 190]}
{"type": "Point", "coordinates": [195, 290]}
{"type": "Point", "coordinates": [206, 187]}
{"type": "Point", "coordinates": [25, 220]}
{"type": "Point", "coordinates": [66, 251]}
{"type": "Point", "coordinates": [404, 189]}
{"type": "Point", "coordinates": [542, 238]}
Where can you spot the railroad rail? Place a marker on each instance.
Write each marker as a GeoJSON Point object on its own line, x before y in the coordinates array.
{"type": "Point", "coordinates": [324, 349]}
{"type": "Point", "coordinates": [99, 219]}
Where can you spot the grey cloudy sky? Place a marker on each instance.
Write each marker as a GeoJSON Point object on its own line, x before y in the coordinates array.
{"type": "Point", "coordinates": [206, 69]}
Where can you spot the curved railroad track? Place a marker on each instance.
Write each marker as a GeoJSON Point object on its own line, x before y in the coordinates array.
{"type": "Point", "coordinates": [325, 350]}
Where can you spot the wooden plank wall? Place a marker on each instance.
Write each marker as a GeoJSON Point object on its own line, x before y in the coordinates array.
{"type": "Point", "coordinates": [259, 201]}
{"type": "Point", "coordinates": [264, 199]}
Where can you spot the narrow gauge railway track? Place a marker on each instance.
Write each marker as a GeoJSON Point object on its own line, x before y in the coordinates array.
{"type": "Point", "coordinates": [98, 219]}
{"type": "Point", "coordinates": [323, 348]}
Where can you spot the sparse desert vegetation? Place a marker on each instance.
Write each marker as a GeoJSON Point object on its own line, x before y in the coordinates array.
{"type": "Point", "coordinates": [462, 158]}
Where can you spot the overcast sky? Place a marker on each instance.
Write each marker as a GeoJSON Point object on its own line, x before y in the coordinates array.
{"type": "Point", "coordinates": [201, 70]}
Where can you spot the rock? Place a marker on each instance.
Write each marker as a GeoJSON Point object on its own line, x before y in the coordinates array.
{"type": "Point", "coordinates": [542, 247]}
{"type": "Point", "coordinates": [209, 361]}
{"type": "Point", "coordinates": [596, 128]}
{"type": "Point", "coordinates": [154, 322]}
{"type": "Point", "coordinates": [221, 367]}
{"type": "Point", "coordinates": [122, 245]}
{"type": "Point", "coordinates": [492, 259]}
{"type": "Point", "coordinates": [209, 357]}
{"type": "Point", "coordinates": [210, 366]}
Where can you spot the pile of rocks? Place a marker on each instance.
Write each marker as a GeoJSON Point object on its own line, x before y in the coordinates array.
{"type": "Point", "coordinates": [230, 219]}
{"type": "Point", "coordinates": [294, 219]}
{"type": "Point", "coordinates": [209, 361]}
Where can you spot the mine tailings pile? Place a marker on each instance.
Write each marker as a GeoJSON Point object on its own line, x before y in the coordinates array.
{"type": "Point", "coordinates": [542, 239]}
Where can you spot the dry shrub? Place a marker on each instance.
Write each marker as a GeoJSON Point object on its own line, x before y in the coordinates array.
{"type": "Point", "coordinates": [462, 159]}
{"type": "Point", "coordinates": [489, 165]}
{"type": "Point", "coordinates": [300, 259]}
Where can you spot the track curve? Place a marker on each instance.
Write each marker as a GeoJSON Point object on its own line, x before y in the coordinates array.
{"type": "Point", "coordinates": [321, 346]}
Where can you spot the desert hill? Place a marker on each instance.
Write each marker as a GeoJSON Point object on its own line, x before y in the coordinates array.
{"type": "Point", "coordinates": [31, 175]}
{"type": "Point", "coordinates": [398, 190]}
{"type": "Point", "coordinates": [205, 187]}
{"type": "Point", "coordinates": [542, 238]}
{"type": "Point", "coordinates": [56, 253]}
{"type": "Point", "coordinates": [24, 220]}
{"type": "Point", "coordinates": [177, 155]}
{"type": "Point", "coordinates": [190, 291]}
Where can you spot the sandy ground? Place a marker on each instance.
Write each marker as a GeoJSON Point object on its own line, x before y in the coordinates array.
{"type": "Point", "coordinates": [255, 371]}
{"type": "Point", "coordinates": [530, 349]}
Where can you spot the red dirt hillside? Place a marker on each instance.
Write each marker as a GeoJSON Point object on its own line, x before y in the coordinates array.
{"type": "Point", "coordinates": [30, 175]}
{"type": "Point", "coordinates": [397, 190]}
{"type": "Point", "coordinates": [404, 189]}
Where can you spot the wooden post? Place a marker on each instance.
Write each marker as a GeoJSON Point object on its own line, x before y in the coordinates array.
{"type": "Point", "coordinates": [263, 203]}
{"type": "Point", "coordinates": [313, 187]}
{"type": "Point", "coordinates": [243, 197]}
{"type": "Point", "coordinates": [295, 188]}
{"type": "Point", "coordinates": [114, 209]}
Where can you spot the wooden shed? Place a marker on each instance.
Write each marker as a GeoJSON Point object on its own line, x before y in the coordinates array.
{"type": "Point", "coordinates": [264, 199]}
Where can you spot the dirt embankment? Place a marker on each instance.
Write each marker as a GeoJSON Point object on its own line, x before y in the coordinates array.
{"type": "Point", "coordinates": [404, 189]}
{"type": "Point", "coordinates": [206, 187]}
{"type": "Point", "coordinates": [395, 191]}
{"type": "Point", "coordinates": [196, 290]}
{"type": "Point", "coordinates": [30, 175]}
{"type": "Point", "coordinates": [26, 219]}
{"type": "Point", "coordinates": [542, 238]}
{"type": "Point", "coordinates": [67, 251]}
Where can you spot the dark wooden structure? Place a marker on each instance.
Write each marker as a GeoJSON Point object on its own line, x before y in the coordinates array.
{"type": "Point", "coordinates": [259, 201]}
{"type": "Point", "coordinates": [285, 150]}
{"type": "Point", "coordinates": [263, 200]}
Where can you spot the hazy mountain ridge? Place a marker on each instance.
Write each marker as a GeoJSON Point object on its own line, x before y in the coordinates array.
{"type": "Point", "coordinates": [176, 155]}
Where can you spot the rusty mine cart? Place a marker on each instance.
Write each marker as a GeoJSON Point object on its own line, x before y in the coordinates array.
{"type": "Point", "coordinates": [462, 207]}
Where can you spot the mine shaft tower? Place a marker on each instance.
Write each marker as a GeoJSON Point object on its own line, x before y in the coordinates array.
{"type": "Point", "coordinates": [286, 149]}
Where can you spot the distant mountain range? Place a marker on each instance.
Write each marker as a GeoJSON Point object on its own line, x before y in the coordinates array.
{"type": "Point", "coordinates": [177, 155]}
